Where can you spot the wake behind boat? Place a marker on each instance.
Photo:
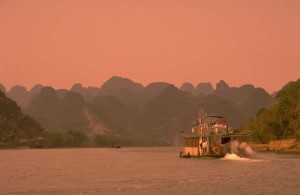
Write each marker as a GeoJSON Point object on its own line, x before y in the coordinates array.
{"type": "Point", "coordinates": [212, 137]}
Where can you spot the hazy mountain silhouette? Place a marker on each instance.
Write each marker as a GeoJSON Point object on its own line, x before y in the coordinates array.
{"type": "Point", "coordinates": [150, 91]}
{"type": "Point", "coordinates": [158, 115]}
{"type": "Point", "coordinates": [274, 94]}
{"type": "Point", "coordinates": [71, 113]}
{"type": "Point", "coordinates": [173, 111]}
{"type": "Point", "coordinates": [45, 101]}
{"type": "Point", "coordinates": [122, 88]}
{"type": "Point", "coordinates": [61, 93]}
{"type": "Point", "coordinates": [217, 105]}
{"type": "Point", "coordinates": [116, 85]}
{"type": "Point", "coordinates": [36, 89]}
{"type": "Point", "coordinates": [15, 126]}
{"type": "Point", "coordinates": [43, 108]}
{"type": "Point", "coordinates": [87, 93]}
{"type": "Point", "coordinates": [204, 89]}
{"type": "Point", "coordinates": [255, 101]}
{"type": "Point", "coordinates": [23, 97]}
{"type": "Point", "coordinates": [20, 95]}
{"type": "Point", "coordinates": [2, 88]}
{"type": "Point", "coordinates": [221, 87]}
{"type": "Point", "coordinates": [240, 95]}
{"type": "Point", "coordinates": [93, 91]}
{"type": "Point", "coordinates": [113, 115]}
{"type": "Point", "coordinates": [57, 114]}
{"type": "Point", "coordinates": [167, 112]}
{"type": "Point", "coordinates": [81, 90]}
{"type": "Point", "coordinates": [153, 114]}
{"type": "Point", "coordinates": [188, 87]}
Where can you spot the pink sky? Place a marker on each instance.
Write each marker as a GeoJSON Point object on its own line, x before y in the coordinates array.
{"type": "Point", "coordinates": [62, 42]}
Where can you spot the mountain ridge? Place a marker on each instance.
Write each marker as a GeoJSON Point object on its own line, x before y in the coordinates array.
{"type": "Point", "coordinates": [151, 114]}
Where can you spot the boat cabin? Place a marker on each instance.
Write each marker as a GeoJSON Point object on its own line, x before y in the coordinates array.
{"type": "Point", "coordinates": [210, 136]}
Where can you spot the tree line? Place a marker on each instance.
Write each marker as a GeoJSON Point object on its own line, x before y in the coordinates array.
{"type": "Point", "coordinates": [281, 121]}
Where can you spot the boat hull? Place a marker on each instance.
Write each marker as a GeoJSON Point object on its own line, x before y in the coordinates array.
{"type": "Point", "coordinates": [204, 156]}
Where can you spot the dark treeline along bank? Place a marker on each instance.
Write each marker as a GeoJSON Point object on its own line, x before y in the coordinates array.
{"type": "Point", "coordinates": [123, 112]}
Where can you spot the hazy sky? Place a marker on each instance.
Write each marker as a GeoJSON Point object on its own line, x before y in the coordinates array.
{"type": "Point", "coordinates": [62, 42]}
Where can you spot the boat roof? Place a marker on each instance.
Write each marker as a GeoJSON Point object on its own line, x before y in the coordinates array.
{"type": "Point", "coordinates": [215, 116]}
{"type": "Point", "coordinates": [238, 134]}
{"type": "Point", "coordinates": [223, 135]}
{"type": "Point", "coordinates": [190, 135]}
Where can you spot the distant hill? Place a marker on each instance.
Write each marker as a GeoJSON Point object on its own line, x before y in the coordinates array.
{"type": "Point", "coordinates": [43, 107]}
{"type": "Point", "coordinates": [36, 89]}
{"type": "Point", "coordinates": [116, 85]}
{"type": "Point", "coordinates": [256, 100]}
{"type": "Point", "coordinates": [247, 98]}
{"type": "Point", "coordinates": [274, 94]}
{"type": "Point", "coordinates": [2, 88]}
{"type": "Point", "coordinates": [61, 93]}
{"type": "Point", "coordinates": [112, 116]}
{"type": "Point", "coordinates": [15, 126]}
{"type": "Point", "coordinates": [173, 111]}
{"type": "Point", "coordinates": [149, 92]}
{"type": "Point", "coordinates": [20, 95]}
{"type": "Point", "coordinates": [161, 118]}
{"type": "Point", "coordinates": [122, 88]}
{"type": "Point", "coordinates": [72, 113]}
{"type": "Point", "coordinates": [47, 100]}
{"type": "Point", "coordinates": [234, 94]}
{"type": "Point", "coordinates": [216, 105]}
{"type": "Point", "coordinates": [200, 89]}
{"type": "Point", "coordinates": [188, 87]}
{"type": "Point", "coordinates": [168, 104]}
{"type": "Point", "coordinates": [151, 115]}
{"type": "Point", "coordinates": [87, 93]}
{"type": "Point", "coordinates": [57, 114]}
{"type": "Point", "coordinates": [204, 89]}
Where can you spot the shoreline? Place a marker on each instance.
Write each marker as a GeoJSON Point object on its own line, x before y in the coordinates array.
{"type": "Point", "coordinates": [280, 146]}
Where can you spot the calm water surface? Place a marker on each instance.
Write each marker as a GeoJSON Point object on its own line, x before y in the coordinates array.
{"type": "Point", "coordinates": [143, 171]}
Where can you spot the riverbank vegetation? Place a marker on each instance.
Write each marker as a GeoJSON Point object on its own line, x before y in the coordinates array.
{"type": "Point", "coordinates": [75, 139]}
{"type": "Point", "coordinates": [281, 121]}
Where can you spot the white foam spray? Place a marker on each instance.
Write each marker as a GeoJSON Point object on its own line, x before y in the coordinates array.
{"type": "Point", "coordinates": [239, 151]}
{"type": "Point", "coordinates": [233, 156]}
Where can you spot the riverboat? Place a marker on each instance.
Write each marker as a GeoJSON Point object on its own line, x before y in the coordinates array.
{"type": "Point", "coordinates": [210, 137]}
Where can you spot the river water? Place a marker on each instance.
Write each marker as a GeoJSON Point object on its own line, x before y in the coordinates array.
{"type": "Point", "coordinates": [144, 171]}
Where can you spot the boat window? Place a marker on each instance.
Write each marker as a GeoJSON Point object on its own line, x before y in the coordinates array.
{"type": "Point", "coordinates": [191, 141]}
{"type": "Point", "coordinates": [196, 142]}
{"type": "Point", "coordinates": [225, 140]}
{"type": "Point", "coordinates": [188, 141]}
